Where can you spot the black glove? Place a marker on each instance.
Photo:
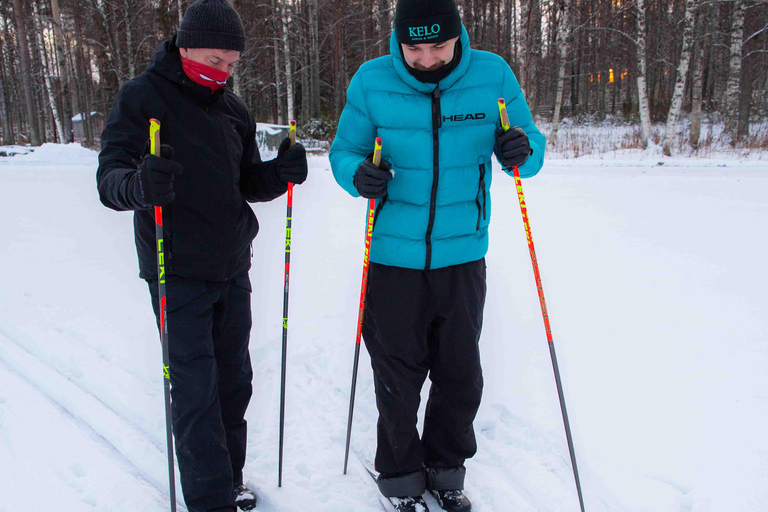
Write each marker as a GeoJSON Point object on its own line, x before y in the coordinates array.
{"type": "Point", "coordinates": [291, 162]}
{"type": "Point", "coordinates": [154, 182]}
{"type": "Point", "coordinates": [512, 147]}
{"type": "Point", "coordinates": [371, 181]}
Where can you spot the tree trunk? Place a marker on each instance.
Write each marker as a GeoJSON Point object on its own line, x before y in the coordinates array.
{"type": "Point", "coordinates": [61, 60]}
{"type": "Point", "coordinates": [564, 44]}
{"type": "Point", "coordinates": [696, 86]}
{"type": "Point", "coordinates": [532, 51]}
{"type": "Point", "coordinates": [314, 58]}
{"type": "Point", "coordinates": [734, 72]}
{"type": "Point", "coordinates": [49, 87]}
{"type": "Point", "coordinates": [288, 64]}
{"type": "Point", "coordinates": [682, 74]}
{"type": "Point", "coordinates": [745, 104]}
{"type": "Point", "coordinates": [21, 33]}
{"type": "Point", "coordinates": [276, 34]}
{"type": "Point", "coordinates": [7, 130]}
{"type": "Point", "coordinates": [306, 100]}
{"type": "Point", "coordinates": [129, 39]}
{"type": "Point", "coordinates": [385, 26]}
{"type": "Point", "coordinates": [642, 93]}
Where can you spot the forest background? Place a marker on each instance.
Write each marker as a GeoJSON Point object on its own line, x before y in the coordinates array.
{"type": "Point", "coordinates": [638, 63]}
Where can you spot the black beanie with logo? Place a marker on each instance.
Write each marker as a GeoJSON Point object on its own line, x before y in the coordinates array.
{"type": "Point", "coordinates": [211, 24]}
{"type": "Point", "coordinates": [426, 21]}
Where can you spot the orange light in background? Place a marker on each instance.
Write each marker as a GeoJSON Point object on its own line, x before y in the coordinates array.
{"type": "Point", "coordinates": [610, 76]}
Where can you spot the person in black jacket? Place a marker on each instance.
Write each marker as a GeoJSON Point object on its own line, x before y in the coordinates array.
{"type": "Point", "coordinates": [208, 172]}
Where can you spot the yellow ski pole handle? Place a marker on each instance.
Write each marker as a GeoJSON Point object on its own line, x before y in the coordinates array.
{"type": "Point", "coordinates": [503, 113]}
{"type": "Point", "coordinates": [154, 137]}
{"type": "Point", "coordinates": [377, 152]}
{"type": "Point", "coordinates": [292, 132]}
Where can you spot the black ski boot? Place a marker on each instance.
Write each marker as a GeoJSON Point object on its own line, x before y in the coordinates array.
{"type": "Point", "coordinates": [244, 497]}
{"type": "Point", "coordinates": [409, 504]}
{"type": "Point", "coordinates": [453, 500]}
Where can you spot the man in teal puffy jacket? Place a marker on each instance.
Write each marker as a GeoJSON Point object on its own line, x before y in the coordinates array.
{"type": "Point", "coordinates": [433, 101]}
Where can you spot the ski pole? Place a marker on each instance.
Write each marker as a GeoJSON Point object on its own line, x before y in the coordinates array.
{"type": "Point", "coordinates": [292, 135]}
{"type": "Point", "coordinates": [361, 310]}
{"type": "Point", "coordinates": [154, 148]}
{"type": "Point", "coordinates": [524, 210]}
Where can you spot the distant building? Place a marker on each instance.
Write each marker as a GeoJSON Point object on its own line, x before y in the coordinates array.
{"type": "Point", "coordinates": [96, 123]}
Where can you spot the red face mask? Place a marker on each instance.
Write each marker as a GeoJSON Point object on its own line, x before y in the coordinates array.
{"type": "Point", "coordinates": [204, 75]}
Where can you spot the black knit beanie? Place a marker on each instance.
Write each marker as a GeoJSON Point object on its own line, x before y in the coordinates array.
{"type": "Point", "coordinates": [211, 24]}
{"type": "Point", "coordinates": [426, 21]}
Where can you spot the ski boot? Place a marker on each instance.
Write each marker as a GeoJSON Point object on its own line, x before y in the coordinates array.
{"type": "Point", "coordinates": [409, 504]}
{"type": "Point", "coordinates": [244, 497]}
{"type": "Point", "coordinates": [452, 500]}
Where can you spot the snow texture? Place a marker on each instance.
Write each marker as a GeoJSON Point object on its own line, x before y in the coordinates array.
{"type": "Point", "coordinates": [654, 277]}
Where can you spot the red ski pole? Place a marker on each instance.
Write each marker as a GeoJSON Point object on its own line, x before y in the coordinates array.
{"type": "Point", "coordinates": [540, 289]}
{"type": "Point", "coordinates": [361, 310]}
{"type": "Point", "coordinates": [154, 148]}
{"type": "Point", "coordinates": [288, 218]}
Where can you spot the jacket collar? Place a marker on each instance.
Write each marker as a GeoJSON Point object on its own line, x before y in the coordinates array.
{"type": "Point", "coordinates": [445, 83]}
{"type": "Point", "coordinates": [166, 62]}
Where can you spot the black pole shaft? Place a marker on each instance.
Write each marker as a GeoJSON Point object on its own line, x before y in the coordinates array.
{"type": "Point", "coordinates": [285, 331]}
{"type": "Point", "coordinates": [351, 404]}
{"type": "Point", "coordinates": [566, 423]}
{"type": "Point", "coordinates": [166, 362]}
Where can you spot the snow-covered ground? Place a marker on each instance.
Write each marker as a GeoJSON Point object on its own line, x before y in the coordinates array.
{"type": "Point", "coordinates": [656, 283]}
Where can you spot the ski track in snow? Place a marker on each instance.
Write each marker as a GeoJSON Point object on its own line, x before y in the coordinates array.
{"type": "Point", "coordinates": [81, 411]}
{"type": "Point", "coordinates": [95, 418]}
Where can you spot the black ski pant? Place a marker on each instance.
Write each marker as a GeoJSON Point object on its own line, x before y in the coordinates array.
{"type": "Point", "coordinates": [209, 325]}
{"type": "Point", "coordinates": [421, 323]}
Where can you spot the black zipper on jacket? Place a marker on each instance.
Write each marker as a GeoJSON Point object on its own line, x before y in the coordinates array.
{"type": "Point", "coordinates": [480, 190]}
{"type": "Point", "coordinates": [437, 121]}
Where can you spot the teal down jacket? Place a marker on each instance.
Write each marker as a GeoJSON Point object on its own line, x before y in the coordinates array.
{"type": "Point", "coordinates": [440, 144]}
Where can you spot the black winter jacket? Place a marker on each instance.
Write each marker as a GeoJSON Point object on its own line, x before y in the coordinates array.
{"type": "Point", "coordinates": [209, 226]}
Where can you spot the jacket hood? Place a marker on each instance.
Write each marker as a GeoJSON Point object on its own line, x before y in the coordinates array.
{"type": "Point", "coordinates": [445, 83]}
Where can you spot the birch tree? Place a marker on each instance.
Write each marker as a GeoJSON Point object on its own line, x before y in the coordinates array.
{"type": "Point", "coordinates": [61, 62]}
{"type": "Point", "coordinates": [642, 92]}
{"type": "Point", "coordinates": [287, 57]}
{"type": "Point", "coordinates": [563, 47]}
{"type": "Point", "coordinates": [697, 79]}
{"type": "Point", "coordinates": [682, 73]}
{"type": "Point", "coordinates": [45, 71]}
